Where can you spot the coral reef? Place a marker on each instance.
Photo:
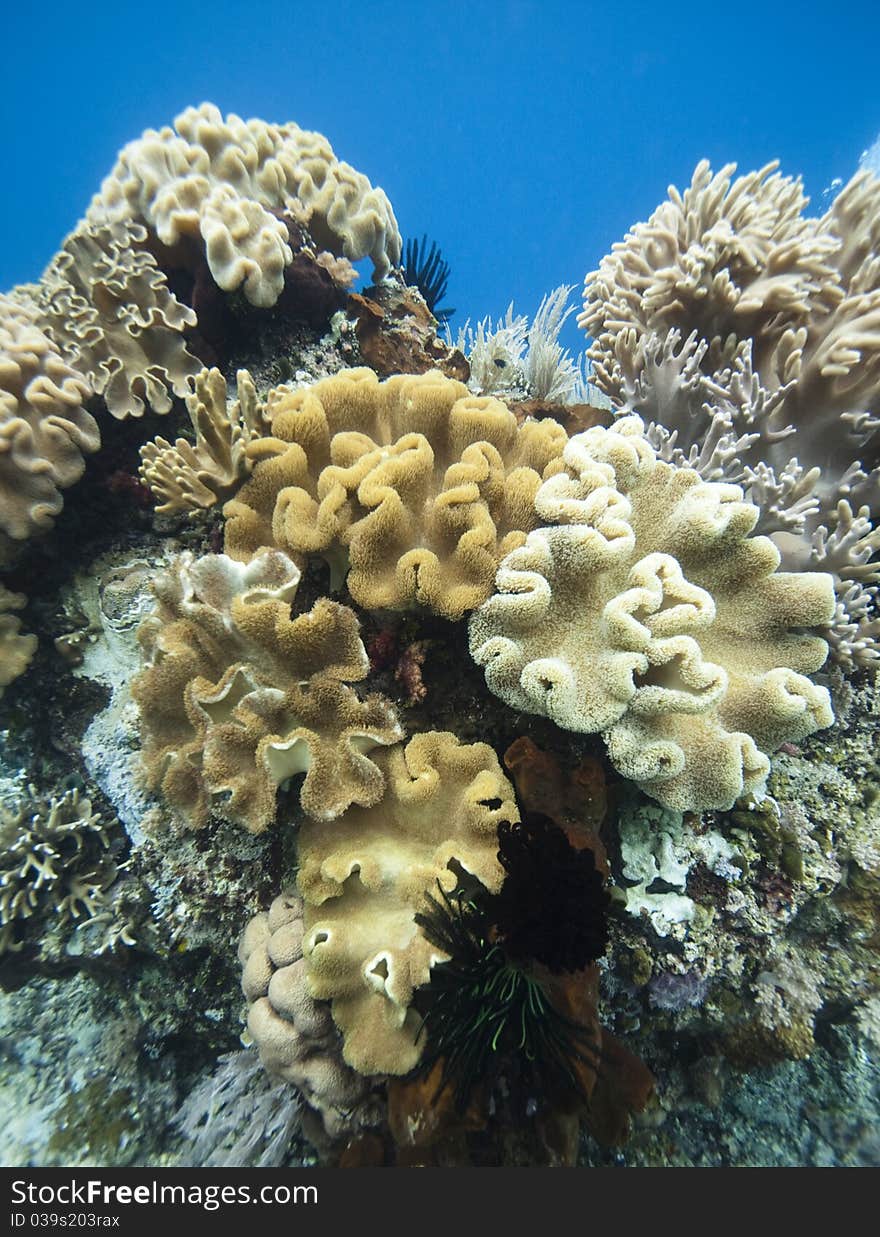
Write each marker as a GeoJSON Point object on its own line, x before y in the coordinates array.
{"type": "Point", "coordinates": [646, 612]}
{"type": "Point", "coordinates": [413, 485]}
{"type": "Point", "coordinates": [744, 331]}
{"type": "Point", "coordinates": [238, 698]}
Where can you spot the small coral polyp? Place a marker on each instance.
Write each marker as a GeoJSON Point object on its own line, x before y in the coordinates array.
{"type": "Point", "coordinates": [238, 697]}
{"type": "Point", "coordinates": [646, 612]}
{"type": "Point", "coordinates": [419, 487]}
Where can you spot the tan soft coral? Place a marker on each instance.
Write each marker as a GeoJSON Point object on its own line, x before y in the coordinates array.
{"type": "Point", "coordinates": [16, 649]}
{"type": "Point", "coordinates": [227, 182]}
{"type": "Point", "coordinates": [294, 1034]}
{"type": "Point", "coordinates": [45, 431]}
{"type": "Point", "coordinates": [647, 612]}
{"type": "Point", "coordinates": [238, 696]}
{"type": "Point", "coordinates": [109, 309]}
{"type": "Point", "coordinates": [417, 485]}
{"type": "Point", "coordinates": [193, 476]}
{"type": "Point", "coordinates": [364, 879]}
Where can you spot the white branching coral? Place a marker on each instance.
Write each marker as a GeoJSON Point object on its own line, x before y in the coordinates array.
{"type": "Point", "coordinates": [748, 335]}
{"type": "Point", "coordinates": [54, 861]}
{"type": "Point", "coordinates": [646, 611]}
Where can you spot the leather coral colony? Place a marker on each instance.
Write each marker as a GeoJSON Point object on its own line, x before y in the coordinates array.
{"type": "Point", "coordinates": [672, 582]}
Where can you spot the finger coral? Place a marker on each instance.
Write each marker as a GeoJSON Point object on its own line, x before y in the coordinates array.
{"type": "Point", "coordinates": [645, 611]}
{"type": "Point", "coordinates": [54, 859]}
{"type": "Point", "coordinates": [45, 431]}
{"type": "Point", "coordinates": [238, 696]}
{"type": "Point", "coordinates": [364, 881]}
{"type": "Point", "coordinates": [16, 650]}
{"type": "Point", "coordinates": [744, 331]}
{"type": "Point", "coordinates": [417, 485]}
{"type": "Point", "coordinates": [294, 1034]}
{"type": "Point", "coordinates": [227, 183]}
{"type": "Point", "coordinates": [194, 476]}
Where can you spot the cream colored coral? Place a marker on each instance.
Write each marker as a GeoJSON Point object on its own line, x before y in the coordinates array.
{"type": "Point", "coordinates": [238, 697]}
{"type": "Point", "coordinates": [16, 650]}
{"type": "Point", "coordinates": [364, 880]}
{"type": "Point", "coordinates": [227, 181]}
{"type": "Point", "coordinates": [294, 1034]}
{"type": "Point", "coordinates": [647, 612]}
{"type": "Point", "coordinates": [107, 306]}
{"type": "Point", "coordinates": [44, 429]}
{"type": "Point", "coordinates": [417, 485]}
{"type": "Point", "coordinates": [190, 476]}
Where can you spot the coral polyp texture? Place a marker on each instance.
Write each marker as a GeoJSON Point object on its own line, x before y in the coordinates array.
{"type": "Point", "coordinates": [294, 1033]}
{"type": "Point", "coordinates": [228, 185]}
{"type": "Point", "coordinates": [414, 485]}
{"type": "Point", "coordinates": [107, 305]}
{"type": "Point", "coordinates": [648, 613]}
{"type": "Point", "coordinates": [54, 861]}
{"type": "Point", "coordinates": [238, 697]}
{"type": "Point", "coordinates": [748, 335]}
{"type": "Point", "coordinates": [187, 476]}
{"type": "Point", "coordinates": [45, 430]}
{"type": "Point", "coordinates": [364, 882]}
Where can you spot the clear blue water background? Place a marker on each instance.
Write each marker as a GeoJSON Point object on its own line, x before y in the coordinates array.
{"type": "Point", "coordinates": [524, 137]}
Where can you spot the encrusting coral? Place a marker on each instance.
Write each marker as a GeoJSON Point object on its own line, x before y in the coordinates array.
{"type": "Point", "coordinates": [229, 183]}
{"type": "Point", "coordinates": [16, 648]}
{"type": "Point", "coordinates": [45, 431]}
{"type": "Point", "coordinates": [748, 335]}
{"type": "Point", "coordinates": [54, 859]}
{"type": "Point", "coordinates": [189, 476]}
{"type": "Point", "coordinates": [238, 697]}
{"type": "Point", "coordinates": [364, 882]}
{"type": "Point", "coordinates": [294, 1034]}
{"type": "Point", "coordinates": [415, 484]}
{"type": "Point", "coordinates": [648, 613]}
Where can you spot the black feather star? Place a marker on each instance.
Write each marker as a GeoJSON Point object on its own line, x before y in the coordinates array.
{"type": "Point", "coordinates": [427, 270]}
{"type": "Point", "coordinates": [490, 1004]}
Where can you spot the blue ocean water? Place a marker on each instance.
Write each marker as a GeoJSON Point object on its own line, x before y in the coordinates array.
{"type": "Point", "coordinates": [524, 136]}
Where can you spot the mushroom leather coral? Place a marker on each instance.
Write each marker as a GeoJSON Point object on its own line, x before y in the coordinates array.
{"type": "Point", "coordinates": [364, 880]}
{"type": "Point", "coordinates": [647, 612]}
{"type": "Point", "coordinates": [44, 429]}
{"type": "Point", "coordinates": [238, 696]}
{"type": "Point", "coordinates": [225, 181]}
{"type": "Point", "coordinates": [422, 485]}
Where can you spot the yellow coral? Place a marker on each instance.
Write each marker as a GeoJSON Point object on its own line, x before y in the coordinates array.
{"type": "Point", "coordinates": [364, 880]}
{"type": "Point", "coordinates": [238, 697]}
{"type": "Point", "coordinates": [417, 485]}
